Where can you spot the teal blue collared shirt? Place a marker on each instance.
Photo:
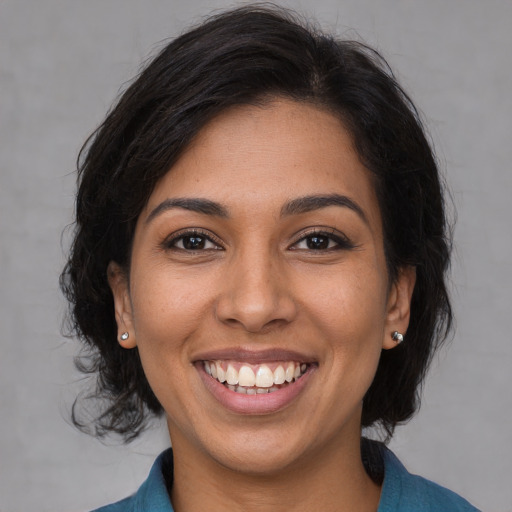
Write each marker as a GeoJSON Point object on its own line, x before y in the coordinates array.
{"type": "Point", "coordinates": [401, 492]}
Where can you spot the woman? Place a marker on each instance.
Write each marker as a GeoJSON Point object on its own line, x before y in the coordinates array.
{"type": "Point", "coordinates": [259, 255]}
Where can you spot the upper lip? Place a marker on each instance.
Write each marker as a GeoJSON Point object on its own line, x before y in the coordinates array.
{"type": "Point", "coordinates": [254, 356]}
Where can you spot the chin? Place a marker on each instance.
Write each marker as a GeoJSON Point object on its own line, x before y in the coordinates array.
{"type": "Point", "coordinates": [260, 461]}
{"type": "Point", "coordinates": [260, 453]}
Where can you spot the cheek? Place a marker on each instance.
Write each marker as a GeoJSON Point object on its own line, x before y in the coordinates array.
{"type": "Point", "coordinates": [166, 301]}
{"type": "Point", "coordinates": [167, 312]}
{"type": "Point", "coordinates": [348, 301]}
{"type": "Point", "coordinates": [348, 310]}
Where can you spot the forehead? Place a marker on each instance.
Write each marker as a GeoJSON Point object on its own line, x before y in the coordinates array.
{"type": "Point", "coordinates": [266, 155]}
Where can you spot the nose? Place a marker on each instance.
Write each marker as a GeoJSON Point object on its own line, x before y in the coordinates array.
{"type": "Point", "coordinates": [255, 294]}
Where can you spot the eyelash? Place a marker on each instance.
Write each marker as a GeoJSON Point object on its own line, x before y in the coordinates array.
{"type": "Point", "coordinates": [341, 241]}
{"type": "Point", "coordinates": [206, 236]}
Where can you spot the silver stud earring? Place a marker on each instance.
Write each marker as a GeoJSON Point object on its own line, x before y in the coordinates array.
{"type": "Point", "coordinates": [125, 336]}
{"type": "Point", "coordinates": [397, 337]}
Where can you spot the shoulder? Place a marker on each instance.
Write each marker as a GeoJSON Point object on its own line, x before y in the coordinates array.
{"type": "Point", "coordinates": [404, 492]}
{"type": "Point", "coordinates": [152, 494]}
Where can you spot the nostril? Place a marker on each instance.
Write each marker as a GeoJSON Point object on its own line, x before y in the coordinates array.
{"type": "Point", "coordinates": [253, 328]}
{"type": "Point", "coordinates": [256, 318]}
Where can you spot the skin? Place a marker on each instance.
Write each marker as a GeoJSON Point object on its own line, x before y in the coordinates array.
{"type": "Point", "coordinates": [256, 284]}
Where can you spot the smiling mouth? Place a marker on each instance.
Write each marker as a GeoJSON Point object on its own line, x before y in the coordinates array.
{"type": "Point", "coordinates": [250, 379]}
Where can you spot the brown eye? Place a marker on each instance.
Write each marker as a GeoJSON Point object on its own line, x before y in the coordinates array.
{"type": "Point", "coordinates": [194, 242]}
{"type": "Point", "coordinates": [317, 242]}
{"type": "Point", "coordinates": [322, 241]}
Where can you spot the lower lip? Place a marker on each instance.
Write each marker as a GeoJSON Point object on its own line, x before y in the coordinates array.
{"type": "Point", "coordinates": [254, 404]}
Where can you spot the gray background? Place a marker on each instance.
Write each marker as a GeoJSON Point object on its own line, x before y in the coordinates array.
{"type": "Point", "coordinates": [61, 64]}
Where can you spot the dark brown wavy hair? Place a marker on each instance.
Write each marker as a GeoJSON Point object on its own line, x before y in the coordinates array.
{"type": "Point", "coordinates": [252, 55]}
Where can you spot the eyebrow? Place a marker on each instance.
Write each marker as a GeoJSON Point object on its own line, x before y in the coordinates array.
{"type": "Point", "coordinates": [294, 207]}
{"type": "Point", "coordinates": [309, 203]}
{"type": "Point", "coordinates": [198, 205]}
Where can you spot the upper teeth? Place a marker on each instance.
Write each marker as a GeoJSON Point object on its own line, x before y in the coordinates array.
{"type": "Point", "coordinates": [260, 376]}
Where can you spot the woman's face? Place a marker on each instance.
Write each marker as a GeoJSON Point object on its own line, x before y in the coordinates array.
{"type": "Point", "coordinates": [259, 261]}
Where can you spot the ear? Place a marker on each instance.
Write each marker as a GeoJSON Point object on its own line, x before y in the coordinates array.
{"type": "Point", "coordinates": [399, 305]}
{"type": "Point", "coordinates": [118, 281]}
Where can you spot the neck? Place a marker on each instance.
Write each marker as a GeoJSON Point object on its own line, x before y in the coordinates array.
{"type": "Point", "coordinates": [330, 481]}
